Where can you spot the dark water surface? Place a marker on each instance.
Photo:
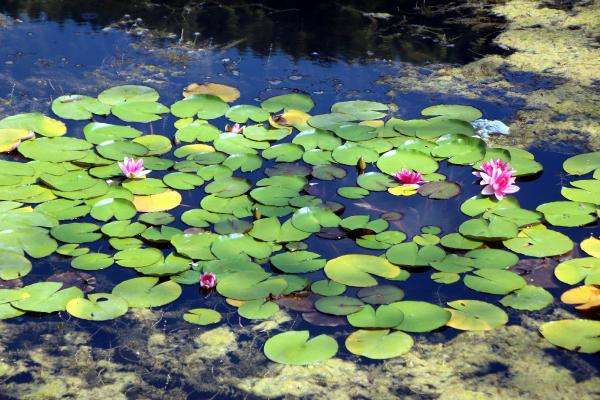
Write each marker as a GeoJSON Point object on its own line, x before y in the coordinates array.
{"type": "Point", "coordinates": [332, 52]}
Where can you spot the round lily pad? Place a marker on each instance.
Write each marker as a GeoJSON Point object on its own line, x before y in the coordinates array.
{"type": "Point", "coordinates": [530, 298]}
{"type": "Point", "coordinates": [494, 281]}
{"type": "Point", "coordinates": [385, 316]}
{"type": "Point", "coordinates": [202, 316]}
{"type": "Point", "coordinates": [258, 309]}
{"type": "Point", "coordinates": [147, 292]}
{"type": "Point", "coordinates": [420, 316]}
{"type": "Point", "coordinates": [97, 307]}
{"type": "Point", "coordinates": [13, 265]}
{"type": "Point", "coordinates": [475, 315]}
{"type": "Point", "coordinates": [379, 344]}
{"type": "Point", "coordinates": [326, 287]}
{"type": "Point", "coordinates": [381, 294]}
{"type": "Point", "coordinates": [356, 269]}
{"type": "Point", "coordinates": [339, 305]}
{"type": "Point", "coordinates": [295, 348]}
{"type": "Point", "coordinates": [573, 334]}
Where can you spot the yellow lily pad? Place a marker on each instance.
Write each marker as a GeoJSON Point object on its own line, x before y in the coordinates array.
{"type": "Point", "coordinates": [224, 92]}
{"type": "Point", "coordinates": [157, 202]}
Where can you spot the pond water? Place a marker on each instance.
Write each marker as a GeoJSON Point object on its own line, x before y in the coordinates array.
{"type": "Point", "coordinates": [332, 53]}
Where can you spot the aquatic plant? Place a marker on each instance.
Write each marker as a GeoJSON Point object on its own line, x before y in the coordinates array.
{"type": "Point", "coordinates": [132, 168]}
{"type": "Point", "coordinates": [497, 178]}
{"type": "Point", "coordinates": [249, 235]}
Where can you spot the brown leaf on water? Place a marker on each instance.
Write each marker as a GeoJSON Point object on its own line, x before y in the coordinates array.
{"type": "Point", "coordinates": [537, 271]}
{"type": "Point", "coordinates": [11, 284]}
{"type": "Point", "coordinates": [82, 280]}
{"type": "Point", "coordinates": [298, 303]}
{"type": "Point", "coordinates": [224, 92]}
{"type": "Point", "coordinates": [320, 319]}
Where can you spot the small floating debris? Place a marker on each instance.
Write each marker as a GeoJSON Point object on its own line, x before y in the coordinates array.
{"type": "Point", "coordinates": [486, 127]}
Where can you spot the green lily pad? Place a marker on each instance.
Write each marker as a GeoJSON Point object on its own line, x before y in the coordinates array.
{"type": "Point", "coordinates": [494, 281]}
{"type": "Point", "coordinates": [298, 262]}
{"type": "Point", "coordinates": [294, 101]}
{"type": "Point", "coordinates": [493, 230]}
{"type": "Point", "coordinates": [381, 294]}
{"type": "Point", "coordinates": [78, 107]}
{"type": "Point", "coordinates": [385, 316]}
{"type": "Point", "coordinates": [441, 190]}
{"type": "Point", "coordinates": [78, 232]}
{"type": "Point", "coordinates": [573, 271]}
{"type": "Point", "coordinates": [147, 292]}
{"type": "Point", "coordinates": [202, 316]}
{"type": "Point", "coordinates": [125, 93]}
{"type": "Point", "coordinates": [396, 160]}
{"type": "Point", "coordinates": [360, 109]}
{"type": "Point", "coordinates": [228, 187]}
{"type": "Point", "coordinates": [243, 113]}
{"type": "Point", "coordinates": [568, 213]}
{"type": "Point", "coordinates": [258, 309]}
{"type": "Point", "coordinates": [56, 149]}
{"type": "Point", "coordinates": [295, 348]}
{"type": "Point", "coordinates": [138, 258]}
{"type": "Point", "coordinates": [250, 285]}
{"type": "Point", "coordinates": [354, 193]}
{"type": "Point", "coordinates": [327, 287]}
{"type": "Point", "coordinates": [536, 242]}
{"type": "Point", "coordinates": [108, 208]}
{"type": "Point", "coordinates": [98, 132]}
{"type": "Point", "coordinates": [356, 269]}
{"type": "Point", "coordinates": [92, 261]}
{"type": "Point", "coordinates": [47, 297]}
{"type": "Point", "coordinates": [205, 106]}
{"type": "Point", "coordinates": [139, 111]}
{"type": "Point", "coordinates": [339, 305]}
{"type": "Point", "coordinates": [14, 265]}
{"type": "Point", "coordinates": [465, 113]}
{"type": "Point", "coordinates": [35, 122]}
{"type": "Point", "coordinates": [530, 298]}
{"type": "Point", "coordinates": [409, 254]}
{"type": "Point", "coordinates": [379, 344]}
{"type": "Point", "coordinates": [573, 334]}
{"type": "Point", "coordinates": [582, 164]}
{"type": "Point", "coordinates": [97, 307]}
{"type": "Point", "coordinates": [420, 316]}
{"type": "Point", "coordinates": [475, 315]}
{"type": "Point", "coordinates": [459, 149]}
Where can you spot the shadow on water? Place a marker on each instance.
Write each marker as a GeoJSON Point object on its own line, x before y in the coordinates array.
{"type": "Point", "coordinates": [406, 30]}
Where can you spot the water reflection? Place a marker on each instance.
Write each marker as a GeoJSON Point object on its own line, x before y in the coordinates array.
{"type": "Point", "coordinates": [355, 30]}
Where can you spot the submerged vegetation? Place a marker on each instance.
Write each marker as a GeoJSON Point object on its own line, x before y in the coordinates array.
{"type": "Point", "coordinates": [250, 238]}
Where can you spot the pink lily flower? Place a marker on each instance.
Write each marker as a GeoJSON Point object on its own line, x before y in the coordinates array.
{"type": "Point", "coordinates": [236, 128]}
{"type": "Point", "coordinates": [496, 177]}
{"type": "Point", "coordinates": [132, 168]}
{"type": "Point", "coordinates": [409, 178]}
{"type": "Point", "coordinates": [208, 280]}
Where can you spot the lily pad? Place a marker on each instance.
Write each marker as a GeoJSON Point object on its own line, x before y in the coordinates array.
{"type": "Point", "coordinates": [540, 242]}
{"type": "Point", "coordinates": [78, 107]}
{"type": "Point", "coordinates": [356, 270]}
{"type": "Point", "coordinates": [530, 298]}
{"type": "Point", "coordinates": [379, 344]}
{"type": "Point", "coordinates": [97, 307]}
{"type": "Point", "coordinates": [147, 292]}
{"type": "Point", "coordinates": [494, 281]}
{"type": "Point", "coordinates": [573, 334]}
{"type": "Point", "coordinates": [295, 348]}
{"type": "Point", "coordinates": [475, 315]}
{"type": "Point", "coordinates": [420, 316]}
{"type": "Point", "coordinates": [202, 316]}
{"type": "Point", "coordinates": [339, 305]}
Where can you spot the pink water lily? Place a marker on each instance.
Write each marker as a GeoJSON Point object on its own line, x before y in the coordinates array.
{"type": "Point", "coordinates": [236, 128]}
{"type": "Point", "coordinates": [132, 168]}
{"type": "Point", "coordinates": [208, 280]}
{"type": "Point", "coordinates": [497, 179]}
{"type": "Point", "coordinates": [409, 178]}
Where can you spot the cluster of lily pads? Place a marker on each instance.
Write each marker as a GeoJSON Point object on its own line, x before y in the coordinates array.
{"type": "Point", "coordinates": [61, 194]}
